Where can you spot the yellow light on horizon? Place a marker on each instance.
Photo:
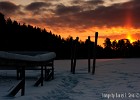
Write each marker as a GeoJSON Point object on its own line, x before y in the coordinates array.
{"type": "Point", "coordinates": [130, 38]}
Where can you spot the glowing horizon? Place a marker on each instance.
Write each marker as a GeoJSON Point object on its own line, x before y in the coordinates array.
{"type": "Point", "coordinates": [114, 19]}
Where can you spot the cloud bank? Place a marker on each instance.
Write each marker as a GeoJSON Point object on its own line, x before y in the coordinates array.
{"type": "Point", "coordinates": [76, 15]}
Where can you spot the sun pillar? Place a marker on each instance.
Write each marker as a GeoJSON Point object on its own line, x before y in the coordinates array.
{"type": "Point", "coordinates": [129, 22]}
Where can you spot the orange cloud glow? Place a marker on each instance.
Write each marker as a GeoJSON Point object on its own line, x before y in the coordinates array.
{"type": "Point", "coordinates": [114, 33]}
{"type": "Point", "coordinates": [114, 19]}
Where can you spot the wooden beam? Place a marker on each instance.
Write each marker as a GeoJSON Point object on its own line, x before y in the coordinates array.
{"type": "Point", "coordinates": [75, 54]}
{"type": "Point", "coordinates": [94, 56]}
{"type": "Point", "coordinates": [41, 75]}
{"type": "Point", "coordinates": [72, 54]}
{"type": "Point", "coordinates": [40, 80]}
{"type": "Point", "coordinates": [53, 70]}
{"type": "Point", "coordinates": [19, 86]}
{"type": "Point", "coordinates": [89, 53]}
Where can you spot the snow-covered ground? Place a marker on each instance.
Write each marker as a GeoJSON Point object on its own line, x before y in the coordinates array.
{"type": "Point", "coordinates": [114, 79]}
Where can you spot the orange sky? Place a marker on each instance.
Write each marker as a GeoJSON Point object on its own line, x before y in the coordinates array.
{"type": "Point", "coordinates": [114, 19]}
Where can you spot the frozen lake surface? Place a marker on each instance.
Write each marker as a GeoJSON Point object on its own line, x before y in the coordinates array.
{"type": "Point", "coordinates": [117, 79]}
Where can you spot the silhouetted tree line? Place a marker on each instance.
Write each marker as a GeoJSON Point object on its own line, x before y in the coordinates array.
{"type": "Point", "coordinates": [121, 48]}
{"type": "Point", "coordinates": [17, 37]}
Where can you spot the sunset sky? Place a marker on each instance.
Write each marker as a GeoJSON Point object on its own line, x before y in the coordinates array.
{"type": "Point", "coordinates": [115, 19]}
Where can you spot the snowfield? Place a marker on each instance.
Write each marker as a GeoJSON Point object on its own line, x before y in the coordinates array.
{"type": "Point", "coordinates": [114, 79]}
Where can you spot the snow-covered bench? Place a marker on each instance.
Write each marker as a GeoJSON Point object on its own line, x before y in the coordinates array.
{"type": "Point", "coordinates": [24, 60]}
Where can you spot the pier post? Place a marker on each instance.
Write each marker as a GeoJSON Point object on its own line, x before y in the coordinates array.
{"type": "Point", "coordinates": [94, 56]}
{"type": "Point", "coordinates": [89, 53]}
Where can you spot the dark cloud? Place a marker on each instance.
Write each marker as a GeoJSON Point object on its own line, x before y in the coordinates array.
{"type": "Point", "coordinates": [131, 10]}
{"type": "Point", "coordinates": [36, 6]}
{"type": "Point", "coordinates": [8, 8]}
{"type": "Point", "coordinates": [134, 6]}
{"type": "Point", "coordinates": [112, 16]}
{"type": "Point", "coordinates": [85, 19]}
{"type": "Point", "coordinates": [51, 0]}
{"type": "Point", "coordinates": [62, 9]}
{"type": "Point", "coordinates": [94, 2]}
{"type": "Point", "coordinates": [77, 1]}
{"type": "Point", "coordinates": [89, 2]}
